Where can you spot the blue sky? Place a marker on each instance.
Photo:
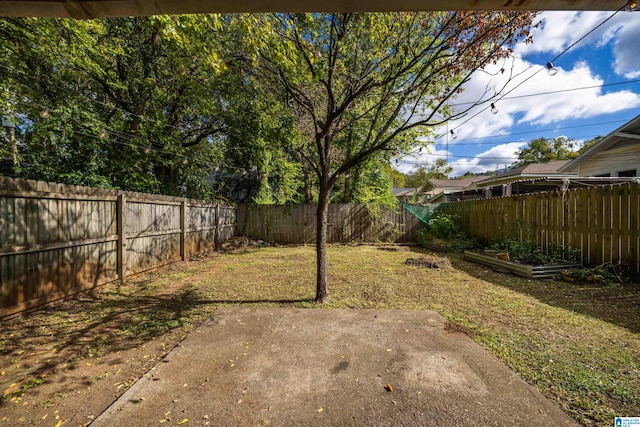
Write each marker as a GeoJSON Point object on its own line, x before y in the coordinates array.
{"type": "Point", "coordinates": [608, 56]}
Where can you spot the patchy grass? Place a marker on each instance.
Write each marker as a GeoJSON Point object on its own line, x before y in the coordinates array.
{"type": "Point", "coordinates": [579, 345]}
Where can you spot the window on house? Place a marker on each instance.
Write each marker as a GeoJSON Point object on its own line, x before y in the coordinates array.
{"type": "Point", "coordinates": [631, 172]}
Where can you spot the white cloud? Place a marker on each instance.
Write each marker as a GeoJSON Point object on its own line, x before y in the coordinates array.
{"type": "Point", "coordinates": [559, 30]}
{"type": "Point", "coordinates": [618, 39]}
{"type": "Point", "coordinates": [626, 52]}
{"type": "Point", "coordinates": [494, 158]}
{"type": "Point", "coordinates": [552, 103]}
{"type": "Point", "coordinates": [409, 163]}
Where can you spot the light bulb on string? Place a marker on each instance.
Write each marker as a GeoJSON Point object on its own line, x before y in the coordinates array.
{"type": "Point", "coordinates": [45, 113]}
{"type": "Point", "coordinates": [631, 6]}
{"type": "Point", "coordinates": [102, 134]}
{"type": "Point", "coordinates": [453, 134]}
{"type": "Point", "coordinates": [185, 161]}
{"type": "Point", "coordinates": [551, 70]}
{"type": "Point", "coordinates": [147, 150]}
{"type": "Point", "coordinates": [494, 109]}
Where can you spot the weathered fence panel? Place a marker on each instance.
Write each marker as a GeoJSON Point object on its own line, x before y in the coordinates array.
{"type": "Point", "coordinates": [296, 224]}
{"type": "Point", "coordinates": [601, 221]}
{"type": "Point", "coordinates": [56, 240]}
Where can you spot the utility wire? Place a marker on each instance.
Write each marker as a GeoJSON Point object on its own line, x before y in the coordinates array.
{"type": "Point", "coordinates": [461, 141]}
{"type": "Point", "coordinates": [542, 68]}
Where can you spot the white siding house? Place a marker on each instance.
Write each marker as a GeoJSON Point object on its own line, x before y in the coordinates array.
{"type": "Point", "coordinates": [615, 155]}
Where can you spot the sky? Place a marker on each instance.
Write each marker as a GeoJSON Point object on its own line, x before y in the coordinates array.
{"type": "Point", "coordinates": [596, 90]}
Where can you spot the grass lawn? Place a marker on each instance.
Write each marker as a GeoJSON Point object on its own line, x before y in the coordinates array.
{"type": "Point", "coordinates": [579, 345]}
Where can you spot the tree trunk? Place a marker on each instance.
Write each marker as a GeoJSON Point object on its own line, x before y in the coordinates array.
{"type": "Point", "coordinates": [346, 197]}
{"type": "Point", "coordinates": [321, 243]}
{"type": "Point", "coordinates": [14, 148]}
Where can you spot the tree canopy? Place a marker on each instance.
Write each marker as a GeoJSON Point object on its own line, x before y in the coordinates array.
{"type": "Point", "coordinates": [266, 108]}
{"type": "Point", "coordinates": [365, 86]}
{"type": "Point", "coordinates": [542, 150]}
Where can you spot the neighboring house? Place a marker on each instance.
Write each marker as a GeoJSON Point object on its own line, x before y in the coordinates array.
{"type": "Point", "coordinates": [524, 179]}
{"type": "Point", "coordinates": [407, 195]}
{"type": "Point", "coordinates": [530, 178]}
{"type": "Point", "coordinates": [615, 155]}
{"type": "Point", "coordinates": [441, 190]}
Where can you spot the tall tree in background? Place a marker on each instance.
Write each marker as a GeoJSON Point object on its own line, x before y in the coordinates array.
{"type": "Point", "coordinates": [362, 84]}
{"type": "Point", "coordinates": [543, 150]}
{"type": "Point", "coordinates": [147, 104]}
{"type": "Point", "coordinates": [440, 169]}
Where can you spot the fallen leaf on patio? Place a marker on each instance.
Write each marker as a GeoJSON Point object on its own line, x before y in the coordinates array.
{"type": "Point", "coordinates": [186, 420]}
{"type": "Point", "coordinates": [319, 409]}
{"type": "Point", "coordinates": [388, 387]}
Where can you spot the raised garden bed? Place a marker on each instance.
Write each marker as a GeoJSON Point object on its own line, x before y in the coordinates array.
{"type": "Point", "coordinates": [524, 270]}
{"type": "Point", "coordinates": [436, 247]}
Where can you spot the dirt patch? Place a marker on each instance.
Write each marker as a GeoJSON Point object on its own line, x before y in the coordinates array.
{"type": "Point", "coordinates": [429, 261]}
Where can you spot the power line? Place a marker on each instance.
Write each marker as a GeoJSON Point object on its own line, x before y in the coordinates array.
{"type": "Point", "coordinates": [542, 68]}
{"type": "Point", "coordinates": [461, 141]}
{"type": "Point", "coordinates": [551, 92]}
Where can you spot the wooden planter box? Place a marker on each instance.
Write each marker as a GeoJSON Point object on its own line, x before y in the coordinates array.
{"type": "Point", "coordinates": [434, 247]}
{"type": "Point", "coordinates": [524, 270]}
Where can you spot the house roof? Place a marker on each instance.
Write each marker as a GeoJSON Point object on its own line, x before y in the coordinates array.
{"type": "Point", "coordinates": [532, 170]}
{"type": "Point", "coordinates": [454, 184]}
{"type": "Point", "coordinates": [399, 192]}
{"type": "Point", "coordinates": [626, 132]}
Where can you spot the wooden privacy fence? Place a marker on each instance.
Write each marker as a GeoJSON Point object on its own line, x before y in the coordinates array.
{"type": "Point", "coordinates": [56, 240]}
{"type": "Point", "coordinates": [296, 224]}
{"type": "Point", "coordinates": [601, 221]}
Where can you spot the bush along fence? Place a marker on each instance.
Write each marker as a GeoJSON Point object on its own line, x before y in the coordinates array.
{"type": "Point", "coordinates": [601, 222]}
{"type": "Point", "coordinates": [296, 224]}
{"type": "Point", "coordinates": [57, 240]}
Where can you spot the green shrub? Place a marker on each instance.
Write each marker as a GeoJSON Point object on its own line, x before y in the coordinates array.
{"type": "Point", "coordinates": [442, 229]}
{"type": "Point", "coordinates": [443, 226]}
{"type": "Point", "coordinates": [528, 252]}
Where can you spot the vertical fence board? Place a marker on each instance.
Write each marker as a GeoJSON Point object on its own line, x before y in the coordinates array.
{"type": "Point", "coordinates": [346, 223]}
{"type": "Point", "coordinates": [601, 221]}
{"type": "Point", "coordinates": [56, 240]}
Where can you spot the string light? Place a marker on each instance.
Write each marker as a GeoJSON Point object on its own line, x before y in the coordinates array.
{"type": "Point", "coordinates": [453, 134]}
{"type": "Point", "coordinates": [102, 134]}
{"type": "Point", "coordinates": [551, 70]}
{"type": "Point", "coordinates": [44, 113]}
{"type": "Point", "coordinates": [494, 110]}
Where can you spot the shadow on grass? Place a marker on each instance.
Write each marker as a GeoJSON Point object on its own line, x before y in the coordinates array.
{"type": "Point", "coordinates": [63, 334]}
{"type": "Point", "coordinates": [616, 304]}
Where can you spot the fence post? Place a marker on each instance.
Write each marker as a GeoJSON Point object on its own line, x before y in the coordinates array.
{"type": "Point", "coordinates": [634, 226]}
{"type": "Point", "coordinates": [122, 238]}
{"type": "Point", "coordinates": [216, 237]}
{"type": "Point", "coordinates": [183, 230]}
